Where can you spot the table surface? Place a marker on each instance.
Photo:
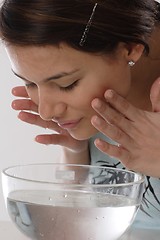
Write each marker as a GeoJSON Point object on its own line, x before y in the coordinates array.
{"type": "Point", "coordinates": [9, 231]}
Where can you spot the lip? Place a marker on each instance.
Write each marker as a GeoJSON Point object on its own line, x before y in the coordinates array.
{"type": "Point", "coordinates": [69, 124]}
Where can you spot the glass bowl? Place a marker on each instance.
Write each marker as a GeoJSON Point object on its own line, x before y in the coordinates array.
{"type": "Point", "coordinates": [71, 202]}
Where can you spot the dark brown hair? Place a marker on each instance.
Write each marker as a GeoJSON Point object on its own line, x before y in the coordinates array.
{"type": "Point", "coordinates": [50, 22]}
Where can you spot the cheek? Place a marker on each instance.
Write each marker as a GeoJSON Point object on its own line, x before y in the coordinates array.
{"type": "Point", "coordinates": [122, 88]}
{"type": "Point", "coordinates": [121, 82]}
{"type": "Point", "coordinates": [83, 99]}
{"type": "Point", "coordinates": [97, 92]}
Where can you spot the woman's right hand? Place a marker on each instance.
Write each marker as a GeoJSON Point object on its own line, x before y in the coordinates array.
{"type": "Point", "coordinates": [29, 114]}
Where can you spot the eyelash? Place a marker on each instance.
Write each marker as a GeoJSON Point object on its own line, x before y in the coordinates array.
{"type": "Point", "coordinates": [68, 88]}
{"type": "Point", "coordinates": [28, 85]}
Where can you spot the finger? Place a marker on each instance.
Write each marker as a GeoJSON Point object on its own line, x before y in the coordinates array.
{"type": "Point", "coordinates": [109, 114]}
{"type": "Point", "coordinates": [121, 104]}
{"type": "Point", "coordinates": [35, 119]}
{"type": "Point", "coordinates": [114, 151]}
{"type": "Point", "coordinates": [20, 91]}
{"type": "Point", "coordinates": [112, 132]}
{"type": "Point", "coordinates": [56, 139]}
{"type": "Point", "coordinates": [24, 104]}
{"type": "Point", "coordinates": [47, 139]}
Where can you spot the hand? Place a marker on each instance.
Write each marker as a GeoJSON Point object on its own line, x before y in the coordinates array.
{"type": "Point", "coordinates": [137, 132]}
{"type": "Point", "coordinates": [29, 114]}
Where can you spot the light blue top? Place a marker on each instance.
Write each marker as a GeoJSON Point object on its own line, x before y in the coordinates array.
{"type": "Point", "coordinates": [149, 214]}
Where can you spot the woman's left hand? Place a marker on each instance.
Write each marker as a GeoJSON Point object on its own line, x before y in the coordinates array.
{"type": "Point", "coordinates": [136, 132]}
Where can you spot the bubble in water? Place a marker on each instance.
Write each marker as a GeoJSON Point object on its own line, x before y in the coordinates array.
{"type": "Point", "coordinates": [65, 195]}
{"type": "Point", "coordinates": [50, 199]}
{"type": "Point", "coordinates": [41, 234]}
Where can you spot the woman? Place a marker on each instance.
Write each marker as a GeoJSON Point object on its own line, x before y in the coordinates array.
{"type": "Point", "coordinates": [70, 55]}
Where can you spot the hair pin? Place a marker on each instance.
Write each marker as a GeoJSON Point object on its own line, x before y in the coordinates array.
{"type": "Point", "coordinates": [86, 30]}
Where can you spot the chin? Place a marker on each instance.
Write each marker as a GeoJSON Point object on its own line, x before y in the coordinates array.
{"type": "Point", "coordinates": [84, 135]}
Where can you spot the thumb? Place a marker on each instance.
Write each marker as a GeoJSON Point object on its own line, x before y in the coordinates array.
{"type": "Point", "coordinates": [155, 95]}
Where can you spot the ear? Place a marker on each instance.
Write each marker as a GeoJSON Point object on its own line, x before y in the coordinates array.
{"type": "Point", "coordinates": [135, 51]}
{"type": "Point", "coordinates": [155, 95]}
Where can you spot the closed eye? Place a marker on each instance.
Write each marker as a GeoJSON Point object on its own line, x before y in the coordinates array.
{"type": "Point", "coordinates": [30, 84]}
{"type": "Point", "coordinates": [70, 87]}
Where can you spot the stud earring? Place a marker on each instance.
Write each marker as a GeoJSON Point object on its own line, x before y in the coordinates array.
{"type": "Point", "coordinates": [131, 63]}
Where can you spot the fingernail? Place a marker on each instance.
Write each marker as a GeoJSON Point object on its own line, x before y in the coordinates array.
{"type": "Point", "coordinates": [99, 143]}
{"type": "Point", "coordinates": [96, 120]}
{"type": "Point", "coordinates": [13, 105]}
{"type": "Point", "coordinates": [109, 94]}
{"type": "Point", "coordinates": [96, 103]}
{"type": "Point", "coordinates": [13, 91]}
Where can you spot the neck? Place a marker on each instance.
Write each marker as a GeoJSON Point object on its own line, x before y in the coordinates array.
{"type": "Point", "coordinates": [144, 73]}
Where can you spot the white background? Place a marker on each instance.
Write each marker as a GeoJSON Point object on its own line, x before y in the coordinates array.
{"type": "Point", "coordinates": [17, 145]}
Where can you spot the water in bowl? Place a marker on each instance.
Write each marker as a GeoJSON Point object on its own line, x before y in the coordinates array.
{"type": "Point", "coordinates": [71, 215]}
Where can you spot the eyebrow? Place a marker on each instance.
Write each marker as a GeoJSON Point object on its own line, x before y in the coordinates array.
{"type": "Point", "coordinates": [54, 77]}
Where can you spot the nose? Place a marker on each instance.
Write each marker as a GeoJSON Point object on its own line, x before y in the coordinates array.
{"type": "Point", "coordinates": [50, 107]}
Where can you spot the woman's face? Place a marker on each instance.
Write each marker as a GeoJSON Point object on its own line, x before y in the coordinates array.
{"type": "Point", "coordinates": [63, 81]}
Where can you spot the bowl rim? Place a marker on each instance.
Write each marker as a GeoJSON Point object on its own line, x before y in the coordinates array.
{"type": "Point", "coordinates": [139, 181]}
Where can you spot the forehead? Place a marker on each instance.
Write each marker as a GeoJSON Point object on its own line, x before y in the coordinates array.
{"type": "Point", "coordinates": [49, 58]}
{"type": "Point", "coordinates": [43, 53]}
{"type": "Point", "coordinates": [43, 59]}
{"type": "Point", "coordinates": [54, 53]}
{"type": "Point", "coordinates": [50, 52]}
{"type": "Point", "coordinates": [40, 62]}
